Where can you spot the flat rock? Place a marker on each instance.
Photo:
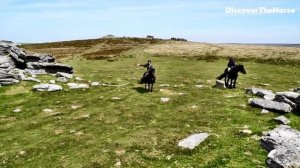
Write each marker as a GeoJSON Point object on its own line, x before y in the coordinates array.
{"type": "Point", "coordinates": [270, 105]}
{"type": "Point", "coordinates": [260, 92]}
{"type": "Point", "coordinates": [95, 84]}
{"type": "Point", "coordinates": [282, 120]}
{"type": "Point", "coordinates": [17, 110]}
{"type": "Point", "coordinates": [199, 86]}
{"type": "Point", "coordinates": [164, 85]}
{"type": "Point", "coordinates": [283, 145]}
{"type": "Point", "coordinates": [50, 67]}
{"type": "Point", "coordinates": [220, 84]}
{"type": "Point", "coordinates": [77, 86]}
{"type": "Point", "coordinates": [290, 95]}
{"type": "Point", "coordinates": [164, 99]}
{"type": "Point", "coordinates": [47, 87]}
{"type": "Point", "coordinates": [52, 81]}
{"type": "Point", "coordinates": [193, 140]}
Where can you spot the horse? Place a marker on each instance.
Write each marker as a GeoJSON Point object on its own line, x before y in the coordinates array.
{"type": "Point", "coordinates": [149, 81]}
{"type": "Point", "coordinates": [232, 75]}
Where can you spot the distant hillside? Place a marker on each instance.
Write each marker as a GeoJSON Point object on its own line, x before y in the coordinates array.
{"type": "Point", "coordinates": [113, 47]}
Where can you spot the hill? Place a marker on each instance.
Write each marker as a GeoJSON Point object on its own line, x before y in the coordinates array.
{"type": "Point", "coordinates": [118, 124]}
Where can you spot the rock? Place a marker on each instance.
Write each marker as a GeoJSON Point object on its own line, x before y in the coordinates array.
{"type": "Point", "coordinates": [50, 67]}
{"type": "Point", "coordinates": [75, 107]}
{"type": "Point", "coordinates": [38, 57]}
{"type": "Point", "coordinates": [281, 98]}
{"type": "Point", "coordinates": [194, 106]}
{"type": "Point", "coordinates": [283, 143]}
{"type": "Point", "coordinates": [264, 111]}
{"type": "Point", "coordinates": [32, 79]}
{"type": "Point", "coordinates": [95, 84]}
{"type": "Point", "coordinates": [116, 98]}
{"type": "Point", "coordinates": [47, 111]}
{"type": "Point", "coordinates": [8, 81]}
{"type": "Point", "coordinates": [52, 81]}
{"type": "Point", "coordinates": [297, 90]}
{"type": "Point", "coordinates": [78, 86]}
{"type": "Point", "coordinates": [220, 84]}
{"type": "Point", "coordinates": [62, 79]}
{"type": "Point", "coordinates": [282, 120]}
{"type": "Point", "coordinates": [290, 95]}
{"type": "Point", "coordinates": [199, 86]}
{"type": "Point", "coordinates": [164, 99]}
{"type": "Point", "coordinates": [47, 87]}
{"type": "Point", "coordinates": [246, 131]}
{"type": "Point", "coordinates": [193, 140]}
{"type": "Point", "coordinates": [17, 110]}
{"type": "Point", "coordinates": [270, 105]}
{"type": "Point", "coordinates": [267, 94]}
{"type": "Point", "coordinates": [66, 75]}
{"type": "Point", "coordinates": [79, 79]}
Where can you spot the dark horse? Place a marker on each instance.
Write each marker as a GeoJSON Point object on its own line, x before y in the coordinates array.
{"type": "Point", "coordinates": [232, 75]}
{"type": "Point", "coordinates": [149, 80]}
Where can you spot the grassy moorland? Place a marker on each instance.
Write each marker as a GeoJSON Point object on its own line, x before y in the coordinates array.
{"type": "Point", "coordinates": [89, 128]}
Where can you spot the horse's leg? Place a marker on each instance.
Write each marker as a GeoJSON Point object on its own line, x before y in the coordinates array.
{"type": "Point", "coordinates": [230, 86]}
{"type": "Point", "coordinates": [151, 87]}
{"type": "Point", "coordinates": [234, 83]}
{"type": "Point", "coordinates": [225, 80]}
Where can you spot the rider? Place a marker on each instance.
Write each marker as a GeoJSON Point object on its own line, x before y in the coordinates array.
{"type": "Point", "coordinates": [231, 63]}
{"type": "Point", "coordinates": [150, 69]}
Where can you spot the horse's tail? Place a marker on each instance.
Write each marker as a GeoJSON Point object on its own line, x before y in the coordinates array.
{"type": "Point", "coordinates": [221, 76]}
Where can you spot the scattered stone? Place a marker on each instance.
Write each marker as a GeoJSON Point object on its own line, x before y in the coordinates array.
{"type": "Point", "coordinates": [95, 84]}
{"type": "Point", "coordinates": [79, 79]}
{"type": "Point", "coordinates": [22, 153]}
{"type": "Point", "coordinates": [17, 110]}
{"type": "Point", "coordinates": [66, 75]}
{"type": "Point", "coordinates": [164, 85]}
{"type": "Point", "coordinates": [281, 98]}
{"type": "Point", "coordinates": [84, 116]}
{"type": "Point", "coordinates": [264, 111]}
{"type": "Point", "coordinates": [116, 98]}
{"type": "Point", "coordinates": [75, 107]}
{"type": "Point", "coordinates": [283, 145]}
{"type": "Point", "coordinates": [77, 86]}
{"type": "Point", "coordinates": [47, 111]}
{"type": "Point", "coordinates": [193, 140]}
{"type": "Point", "coordinates": [255, 137]}
{"type": "Point", "coordinates": [47, 87]}
{"type": "Point", "coordinates": [52, 81]}
{"type": "Point", "coordinates": [199, 86]}
{"type": "Point", "coordinates": [194, 106]}
{"type": "Point", "coordinates": [164, 99]}
{"type": "Point", "coordinates": [246, 131]}
{"type": "Point", "coordinates": [270, 105]}
{"type": "Point", "coordinates": [282, 120]}
{"type": "Point", "coordinates": [62, 79]}
{"type": "Point", "coordinates": [264, 84]}
{"type": "Point", "coordinates": [220, 84]}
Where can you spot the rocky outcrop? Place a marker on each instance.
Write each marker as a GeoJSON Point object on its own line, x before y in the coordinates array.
{"type": "Point", "coordinates": [271, 99]}
{"type": "Point", "coordinates": [283, 145]}
{"type": "Point", "coordinates": [282, 120]}
{"type": "Point", "coordinates": [270, 105]}
{"type": "Point", "coordinates": [16, 64]}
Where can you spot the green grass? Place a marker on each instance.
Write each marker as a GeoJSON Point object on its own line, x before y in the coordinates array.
{"type": "Point", "coordinates": [139, 130]}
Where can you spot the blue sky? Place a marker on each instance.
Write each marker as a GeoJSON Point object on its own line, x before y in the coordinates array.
{"type": "Point", "coordinates": [196, 20]}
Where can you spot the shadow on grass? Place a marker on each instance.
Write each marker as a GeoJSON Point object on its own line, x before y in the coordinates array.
{"type": "Point", "coordinates": [140, 89]}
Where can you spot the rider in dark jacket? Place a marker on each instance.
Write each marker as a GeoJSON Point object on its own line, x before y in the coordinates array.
{"type": "Point", "coordinates": [231, 63]}
{"type": "Point", "coordinates": [150, 69]}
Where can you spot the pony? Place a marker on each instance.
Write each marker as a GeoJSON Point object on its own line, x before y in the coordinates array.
{"type": "Point", "coordinates": [149, 81]}
{"type": "Point", "coordinates": [232, 75]}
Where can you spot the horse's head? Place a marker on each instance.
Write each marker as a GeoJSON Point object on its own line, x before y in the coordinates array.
{"type": "Point", "coordinates": [242, 69]}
